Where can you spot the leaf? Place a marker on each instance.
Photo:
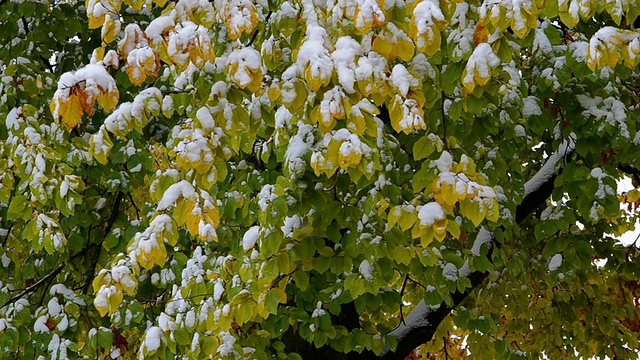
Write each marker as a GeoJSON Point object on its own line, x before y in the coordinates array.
{"type": "Point", "coordinates": [480, 35]}
{"type": "Point", "coordinates": [407, 220]}
{"type": "Point", "coordinates": [100, 146]}
{"type": "Point", "coordinates": [471, 210]}
{"type": "Point", "coordinates": [301, 279]}
{"type": "Point", "coordinates": [19, 208]}
{"type": "Point", "coordinates": [423, 148]}
{"type": "Point", "coordinates": [110, 29]}
{"type": "Point", "coordinates": [105, 338]}
{"type": "Point", "coordinates": [72, 113]}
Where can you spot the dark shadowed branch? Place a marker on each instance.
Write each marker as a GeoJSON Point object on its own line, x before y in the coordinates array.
{"type": "Point", "coordinates": [423, 321]}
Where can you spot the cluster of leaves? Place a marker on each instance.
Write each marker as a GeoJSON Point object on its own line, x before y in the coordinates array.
{"type": "Point", "coordinates": [257, 179]}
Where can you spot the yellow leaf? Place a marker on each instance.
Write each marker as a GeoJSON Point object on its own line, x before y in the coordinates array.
{"type": "Point", "coordinates": [100, 146]}
{"type": "Point", "coordinates": [454, 229]}
{"type": "Point", "coordinates": [493, 213]}
{"type": "Point", "coordinates": [406, 49]}
{"type": "Point", "coordinates": [394, 216]}
{"type": "Point", "coordinates": [473, 211]}
{"type": "Point", "coordinates": [423, 148]}
{"type": "Point", "coordinates": [356, 124]}
{"type": "Point", "coordinates": [433, 46]}
{"type": "Point", "coordinates": [407, 220]}
{"type": "Point", "coordinates": [419, 231]}
{"type": "Point", "coordinates": [427, 237]}
{"type": "Point", "coordinates": [193, 220]}
{"type": "Point", "coordinates": [98, 53]}
{"type": "Point", "coordinates": [256, 81]}
{"type": "Point", "coordinates": [180, 212]}
{"type": "Point", "coordinates": [110, 29]}
{"type": "Point", "coordinates": [396, 113]}
{"type": "Point", "coordinates": [384, 47]}
{"type": "Point", "coordinates": [273, 93]}
{"type": "Point", "coordinates": [114, 301]}
{"type": "Point", "coordinates": [633, 195]}
{"type": "Point", "coordinates": [103, 308]}
{"type": "Point", "coordinates": [314, 82]}
{"type": "Point", "coordinates": [318, 163]}
{"type": "Point", "coordinates": [440, 228]}
{"type": "Point", "coordinates": [374, 16]}
{"type": "Point", "coordinates": [212, 216]}
{"type": "Point", "coordinates": [382, 206]}
{"type": "Point", "coordinates": [135, 4]}
{"type": "Point", "coordinates": [109, 100]}
{"type": "Point", "coordinates": [103, 278]}
{"type": "Point", "coordinates": [107, 300]}
{"type": "Point", "coordinates": [567, 17]}
{"type": "Point", "coordinates": [94, 22]}
{"type": "Point", "coordinates": [239, 17]}
{"type": "Point", "coordinates": [73, 113]}
{"type": "Point", "coordinates": [242, 297]}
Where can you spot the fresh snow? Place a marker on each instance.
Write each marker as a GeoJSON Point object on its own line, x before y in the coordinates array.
{"type": "Point", "coordinates": [152, 339]}
{"type": "Point", "coordinates": [483, 237]}
{"type": "Point", "coordinates": [481, 60]}
{"type": "Point", "coordinates": [250, 237]}
{"type": "Point", "coordinates": [429, 213]}
{"type": "Point", "coordinates": [531, 107]}
{"type": "Point", "coordinates": [450, 272]}
{"type": "Point", "coordinates": [174, 192]}
{"type": "Point", "coordinates": [548, 170]}
{"type": "Point", "coordinates": [555, 262]}
{"type": "Point", "coordinates": [366, 270]}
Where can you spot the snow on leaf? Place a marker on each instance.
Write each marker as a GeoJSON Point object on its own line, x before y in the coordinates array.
{"type": "Point", "coordinates": [426, 23]}
{"type": "Point", "coordinates": [245, 68]}
{"type": "Point", "coordinates": [182, 189]}
{"type": "Point", "coordinates": [77, 93]}
{"type": "Point", "coordinates": [189, 43]}
{"type": "Point", "coordinates": [98, 9]}
{"type": "Point", "coordinates": [555, 262]}
{"type": "Point", "coordinates": [314, 58]}
{"type": "Point", "coordinates": [369, 14]}
{"type": "Point", "coordinates": [239, 16]}
{"type": "Point", "coordinates": [479, 65]}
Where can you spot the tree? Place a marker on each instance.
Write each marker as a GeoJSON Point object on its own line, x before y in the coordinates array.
{"type": "Point", "coordinates": [318, 179]}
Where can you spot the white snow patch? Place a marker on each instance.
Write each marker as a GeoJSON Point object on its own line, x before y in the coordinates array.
{"type": "Point", "coordinates": [555, 262]}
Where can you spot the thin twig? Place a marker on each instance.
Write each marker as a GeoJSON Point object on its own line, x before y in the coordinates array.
{"type": "Point", "coordinates": [446, 353]}
{"type": "Point", "coordinates": [255, 34]}
{"type": "Point", "coordinates": [133, 203]}
{"type": "Point", "coordinates": [404, 285]}
{"type": "Point", "coordinates": [96, 256]}
{"type": "Point", "coordinates": [35, 286]}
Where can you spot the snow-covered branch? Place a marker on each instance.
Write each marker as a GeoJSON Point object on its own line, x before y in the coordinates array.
{"type": "Point", "coordinates": [422, 322]}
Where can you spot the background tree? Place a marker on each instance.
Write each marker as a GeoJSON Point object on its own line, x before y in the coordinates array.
{"type": "Point", "coordinates": [318, 179]}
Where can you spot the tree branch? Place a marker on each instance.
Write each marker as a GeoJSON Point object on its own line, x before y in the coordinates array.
{"type": "Point", "coordinates": [423, 321]}
{"type": "Point", "coordinates": [35, 286]}
{"type": "Point", "coordinates": [49, 277]}
{"type": "Point", "coordinates": [94, 262]}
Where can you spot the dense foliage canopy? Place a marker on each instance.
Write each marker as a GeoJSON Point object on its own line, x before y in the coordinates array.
{"type": "Point", "coordinates": [318, 178]}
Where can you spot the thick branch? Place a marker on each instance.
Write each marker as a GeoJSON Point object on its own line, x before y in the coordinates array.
{"type": "Point", "coordinates": [423, 321]}
{"type": "Point", "coordinates": [421, 324]}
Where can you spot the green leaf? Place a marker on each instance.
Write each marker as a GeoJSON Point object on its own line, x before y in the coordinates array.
{"type": "Point", "coordinates": [423, 148]}
{"type": "Point", "coordinates": [105, 338]}
{"type": "Point", "coordinates": [19, 208]}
